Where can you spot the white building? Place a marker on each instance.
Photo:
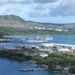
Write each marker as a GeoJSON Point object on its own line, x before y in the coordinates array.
{"type": "Point", "coordinates": [63, 50]}
{"type": "Point", "coordinates": [45, 47]}
{"type": "Point", "coordinates": [42, 55]}
{"type": "Point", "coordinates": [57, 48]}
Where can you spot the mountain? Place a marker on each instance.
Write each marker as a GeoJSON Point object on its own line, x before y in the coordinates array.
{"type": "Point", "coordinates": [15, 25]}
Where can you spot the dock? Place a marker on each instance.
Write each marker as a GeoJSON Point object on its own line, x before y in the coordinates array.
{"type": "Point", "coordinates": [32, 69]}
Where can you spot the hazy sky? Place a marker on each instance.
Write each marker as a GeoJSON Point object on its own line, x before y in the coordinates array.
{"type": "Point", "coordinates": [51, 11]}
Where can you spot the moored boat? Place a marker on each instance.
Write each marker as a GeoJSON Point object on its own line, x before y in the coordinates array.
{"type": "Point", "coordinates": [37, 39]}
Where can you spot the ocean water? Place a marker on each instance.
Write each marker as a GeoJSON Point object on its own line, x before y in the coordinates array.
{"type": "Point", "coordinates": [56, 39]}
{"type": "Point", "coordinates": [63, 39]}
{"type": "Point", "coordinates": [8, 67]}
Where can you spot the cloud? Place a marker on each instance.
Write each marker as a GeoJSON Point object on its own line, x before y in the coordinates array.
{"type": "Point", "coordinates": [16, 9]}
{"type": "Point", "coordinates": [38, 13]}
{"type": "Point", "coordinates": [40, 8]}
{"type": "Point", "coordinates": [43, 10]}
{"type": "Point", "coordinates": [15, 1]}
{"type": "Point", "coordinates": [12, 9]}
{"type": "Point", "coordinates": [26, 1]}
{"type": "Point", "coordinates": [44, 1]}
{"type": "Point", "coordinates": [65, 8]}
{"type": "Point", "coordinates": [21, 1]}
{"type": "Point", "coordinates": [59, 8]}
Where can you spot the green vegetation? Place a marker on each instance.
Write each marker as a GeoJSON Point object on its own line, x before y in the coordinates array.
{"type": "Point", "coordinates": [21, 31]}
{"type": "Point", "coordinates": [54, 60]}
{"type": "Point", "coordinates": [63, 60]}
{"type": "Point", "coordinates": [15, 55]}
{"type": "Point", "coordinates": [15, 25]}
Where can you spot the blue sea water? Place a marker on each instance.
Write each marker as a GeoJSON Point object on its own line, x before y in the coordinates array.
{"type": "Point", "coordinates": [63, 39]}
{"type": "Point", "coordinates": [8, 67]}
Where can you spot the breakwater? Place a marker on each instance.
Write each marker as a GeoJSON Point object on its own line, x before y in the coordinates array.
{"type": "Point", "coordinates": [32, 69]}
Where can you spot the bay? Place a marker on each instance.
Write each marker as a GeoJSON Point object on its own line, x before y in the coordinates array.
{"type": "Point", "coordinates": [8, 67]}
{"type": "Point", "coordinates": [63, 39]}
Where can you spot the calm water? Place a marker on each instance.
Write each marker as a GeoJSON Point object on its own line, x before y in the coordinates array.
{"type": "Point", "coordinates": [63, 39]}
{"type": "Point", "coordinates": [8, 67]}
{"type": "Point", "coordinates": [56, 39]}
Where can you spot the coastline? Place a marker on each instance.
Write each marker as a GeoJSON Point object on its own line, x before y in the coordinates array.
{"type": "Point", "coordinates": [30, 62]}
{"type": "Point", "coordinates": [35, 62]}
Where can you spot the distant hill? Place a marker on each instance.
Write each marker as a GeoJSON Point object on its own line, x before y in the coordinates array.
{"type": "Point", "coordinates": [11, 21]}
{"type": "Point", "coordinates": [15, 25]}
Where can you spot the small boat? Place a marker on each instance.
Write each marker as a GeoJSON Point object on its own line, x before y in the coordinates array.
{"type": "Point", "coordinates": [37, 39]}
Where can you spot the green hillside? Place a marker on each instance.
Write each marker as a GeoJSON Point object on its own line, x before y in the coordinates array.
{"type": "Point", "coordinates": [15, 25]}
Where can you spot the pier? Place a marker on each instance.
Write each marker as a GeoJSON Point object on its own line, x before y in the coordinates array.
{"type": "Point", "coordinates": [38, 68]}
{"type": "Point", "coordinates": [32, 69]}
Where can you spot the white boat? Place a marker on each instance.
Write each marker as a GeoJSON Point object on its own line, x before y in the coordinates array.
{"type": "Point", "coordinates": [37, 39]}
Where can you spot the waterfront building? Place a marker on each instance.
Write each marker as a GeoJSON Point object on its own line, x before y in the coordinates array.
{"type": "Point", "coordinates": [57, 48]}
{"type": "Point", "coordinates": [42, 55]}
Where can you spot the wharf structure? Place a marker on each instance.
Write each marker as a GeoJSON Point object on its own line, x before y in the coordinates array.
{"type": "Point", "coordinates": [38, 68]}
{"type": "Point", "coordinates": [57, 48]}
{"type": "Point", "coordinates": [31, 69]}
{"type": "Point", "coordinates": [10, 40]}
{"type": "Point", "coordinates": [54, 48]}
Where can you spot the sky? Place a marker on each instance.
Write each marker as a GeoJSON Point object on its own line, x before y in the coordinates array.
{"type": "Point", "coordinates": [47, 11]}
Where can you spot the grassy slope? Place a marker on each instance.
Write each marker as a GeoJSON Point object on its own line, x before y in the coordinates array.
{"type": "Point", "coordinates": [14, 25]}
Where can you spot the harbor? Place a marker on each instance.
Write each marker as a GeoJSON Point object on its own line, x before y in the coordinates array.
{"type": "Point", "coordinates": [37, 39]}
{"type": "Point", "coordinates": [53, 45]}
